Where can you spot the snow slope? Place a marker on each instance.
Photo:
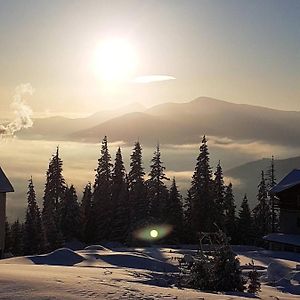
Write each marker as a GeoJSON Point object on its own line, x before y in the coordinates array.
{"type": "Point", "coordinates": [124, 274]}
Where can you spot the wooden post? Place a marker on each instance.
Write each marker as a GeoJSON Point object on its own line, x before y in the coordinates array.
{"type": "Point", "coordinates": [2, 222]}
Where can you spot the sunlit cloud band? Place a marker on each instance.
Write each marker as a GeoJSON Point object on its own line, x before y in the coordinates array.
{"type": "Point", "coordinates": [153, 78]}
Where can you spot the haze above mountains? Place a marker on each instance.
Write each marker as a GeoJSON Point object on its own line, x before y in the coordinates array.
{"type": "Point", "coordinates": [177, 124]}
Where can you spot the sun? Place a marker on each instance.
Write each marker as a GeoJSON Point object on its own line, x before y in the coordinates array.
{"type": "Point", "coordinates": [115, 60]}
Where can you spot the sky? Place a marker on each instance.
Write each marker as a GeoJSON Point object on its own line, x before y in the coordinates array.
{"type": "Point", "coordinates": [235, 50]}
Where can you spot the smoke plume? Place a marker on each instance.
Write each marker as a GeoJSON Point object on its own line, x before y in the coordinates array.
{"type": "Point", "coordinates": [22, 112]}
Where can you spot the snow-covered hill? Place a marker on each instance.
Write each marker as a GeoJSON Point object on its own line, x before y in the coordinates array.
{"type": "Point", "coordinates": [131, 274]}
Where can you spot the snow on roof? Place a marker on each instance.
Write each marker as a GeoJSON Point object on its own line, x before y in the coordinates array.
{"type": "Point", "coordinates": [290, 180]}
{"type": "Point", "coordinates": [289, 239]}
{"type": "Point", "coordinates": [5, 185]}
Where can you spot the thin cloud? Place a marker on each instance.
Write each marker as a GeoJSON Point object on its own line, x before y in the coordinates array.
{"type": "Point", "coordinates": [153, 78]}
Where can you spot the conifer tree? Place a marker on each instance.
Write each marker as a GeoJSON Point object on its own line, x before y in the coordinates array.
{"type": "Point", "coordinates": [17, 238]}
{"type": "Point", "coordinates": [254, 284]}
{"type": "Point", "coordinates": [70, 215]}
{"type": "Point", "coordinates": [174, 214]}
{"type": "Point", "coordinates": [102, 194]}
{"type": "Point", "coordinates": [33, 229]}
{"type": "Point", "coordinates": [7, 237]}
{"type": "Point", "coordinates": [245, 223]}
{"type": "Point", "coordinates": [121, 212]}
{"type": "Point", "coordinates": [86, 210]}
{"type": "Point", "coordinates": [188, 232]}
{"type": "Point", "coordinates": [271, 183]}
{"type": "Point", "coordinates": [202, 193]}
{"type": "Point", "coordinates": [137, 190]}
{"type": "Point", "coordinates": [261, 212]}
{"type": "Point", "coordinates": [228, 274]}
{"type": "Point", "coordinates": [157, 191]}
{"type": "Point", "coordinates": [229, 214]}
{"type": "Point", "coordinates": [54, 191]}
{"type": "Point", "coordinates": [219, 190]}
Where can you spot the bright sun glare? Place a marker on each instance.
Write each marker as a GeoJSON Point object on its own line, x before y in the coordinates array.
{"type": "Point", "coordinates": [115, 60]}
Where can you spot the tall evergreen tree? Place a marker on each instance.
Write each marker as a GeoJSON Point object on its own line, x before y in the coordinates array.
{"type": "Point", "coordinates": [137, 190]}
{"type": "Point", "coordinates": [219, 190]}
{"type": "Point", "coordinates": [271, 183]}
{"type": "Point", "coordinates": [261, 212]}
{"type": "Point", "coordinates": [121, 213]}
{"type": "Point", "coordinates": [54, 191]}
{"type": "Point", "coordinates": [86, 210]}
{"type": "Point", "coordinates": [157, 191]}
{"type": "Point", "coordinates": [229, 214]}
{"type": "Point", "coordinates": [70, 215]}
{"type": "Point", "coordinates": [202, 193]}
{"type": "Point", "coordinates": [17, 238]}
{"type": "Point", "coordinates": [102, 193]}
{"type": "Point", "coordinates": [7, 237]}
{"type": "Point", "coordinates": [188, 232]}
{"type": "Point", "coordinates": [174, 214]}
{"type": "Point", "coordinates": [245, 223]}
{"type": "Point", "coordinates": [33, 229]}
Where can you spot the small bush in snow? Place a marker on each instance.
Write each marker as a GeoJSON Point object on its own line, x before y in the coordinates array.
{"type": "Point", "coordinates": [254, 283]}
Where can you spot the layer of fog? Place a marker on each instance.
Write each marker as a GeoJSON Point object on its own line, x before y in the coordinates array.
{"type": "Point", "coordinates": [21, 159]}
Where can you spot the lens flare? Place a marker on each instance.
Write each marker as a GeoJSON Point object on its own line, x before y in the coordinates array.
{"type": "Point", "coordinates": [153, 232]}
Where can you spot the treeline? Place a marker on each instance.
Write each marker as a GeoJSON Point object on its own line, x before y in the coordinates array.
{"type": "Point", "coordinates": [118, 204]}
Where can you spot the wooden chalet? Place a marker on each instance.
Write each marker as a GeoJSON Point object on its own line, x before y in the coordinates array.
{"type": "Point", "coordinates": [5, 187]}
{"type": "Point", "coordinates": [287, 192]}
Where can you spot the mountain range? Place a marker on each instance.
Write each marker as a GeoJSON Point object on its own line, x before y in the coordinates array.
{"type": "Point", "coordinates": [176, 123]}
{"type": "Point", "coordinates": [247, 176]}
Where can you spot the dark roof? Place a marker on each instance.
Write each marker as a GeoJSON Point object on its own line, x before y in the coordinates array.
{"type": "Point", "coordinates": [289, 181]}
{"type": "Point", "coordinates": [5, 185]}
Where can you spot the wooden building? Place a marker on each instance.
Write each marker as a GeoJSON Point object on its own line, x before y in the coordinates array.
{"type": "Point", "coordinates": [5, 187]}
{"type": "Point", "coordinates": [288, 193]}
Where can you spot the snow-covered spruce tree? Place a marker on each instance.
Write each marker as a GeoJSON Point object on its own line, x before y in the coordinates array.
{"type": "Point", "coordinates": [245, 224]}
{"type": "Point", "coordinates": [87, 221]}
{"type": "Point", "coordinates": [262, 213]}
{"type": "Point", "coordinates": [229, 214]}
{"type": "Point", "coordinates": [218, 270]}
{"type": "Point", "coordinates": [102, 209]}
{"type": "Point", "coordinates": [202, 275]}
{"type": "Point", "coordinates": [254, 283]}
{"type": "Point", "coordinates": [33, 229]}
{"type": "Point", "coordinates": [219, 191]}
{"type": "Point", "coordinates": [17, 238]}
{"type": "Point", "coordinates": [70, 215]}
{"type": "Point", "coordinates": [271, 183]}
{"type": "Point", "coordinates": [120, 202]}
{"type": "Point", "coordinates": [202, 193]}
{"type": "Point", "coordinates": [174, 214]}
{"type": "Point", "coordinates": [227, 271]}
{"type": "Point", "coordinates": [139, 209]}
{"type": "Point", "coordinates": [157, 192]}
{"type": "Point", "coordinates": [54, 191]}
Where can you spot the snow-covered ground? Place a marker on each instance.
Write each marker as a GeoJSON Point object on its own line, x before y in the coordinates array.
{"type": "Point", "coordinates": [148, 273]}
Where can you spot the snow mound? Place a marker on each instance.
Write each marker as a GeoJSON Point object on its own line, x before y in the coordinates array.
{"type": "Point", "coordinates": [276, 272]}
{"type": "Point", "coordinates": [135, 261]}
{"type": "Point", "coordinates": [96, 248]}
{"type": "Point", "coordinates": [59, 257]}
